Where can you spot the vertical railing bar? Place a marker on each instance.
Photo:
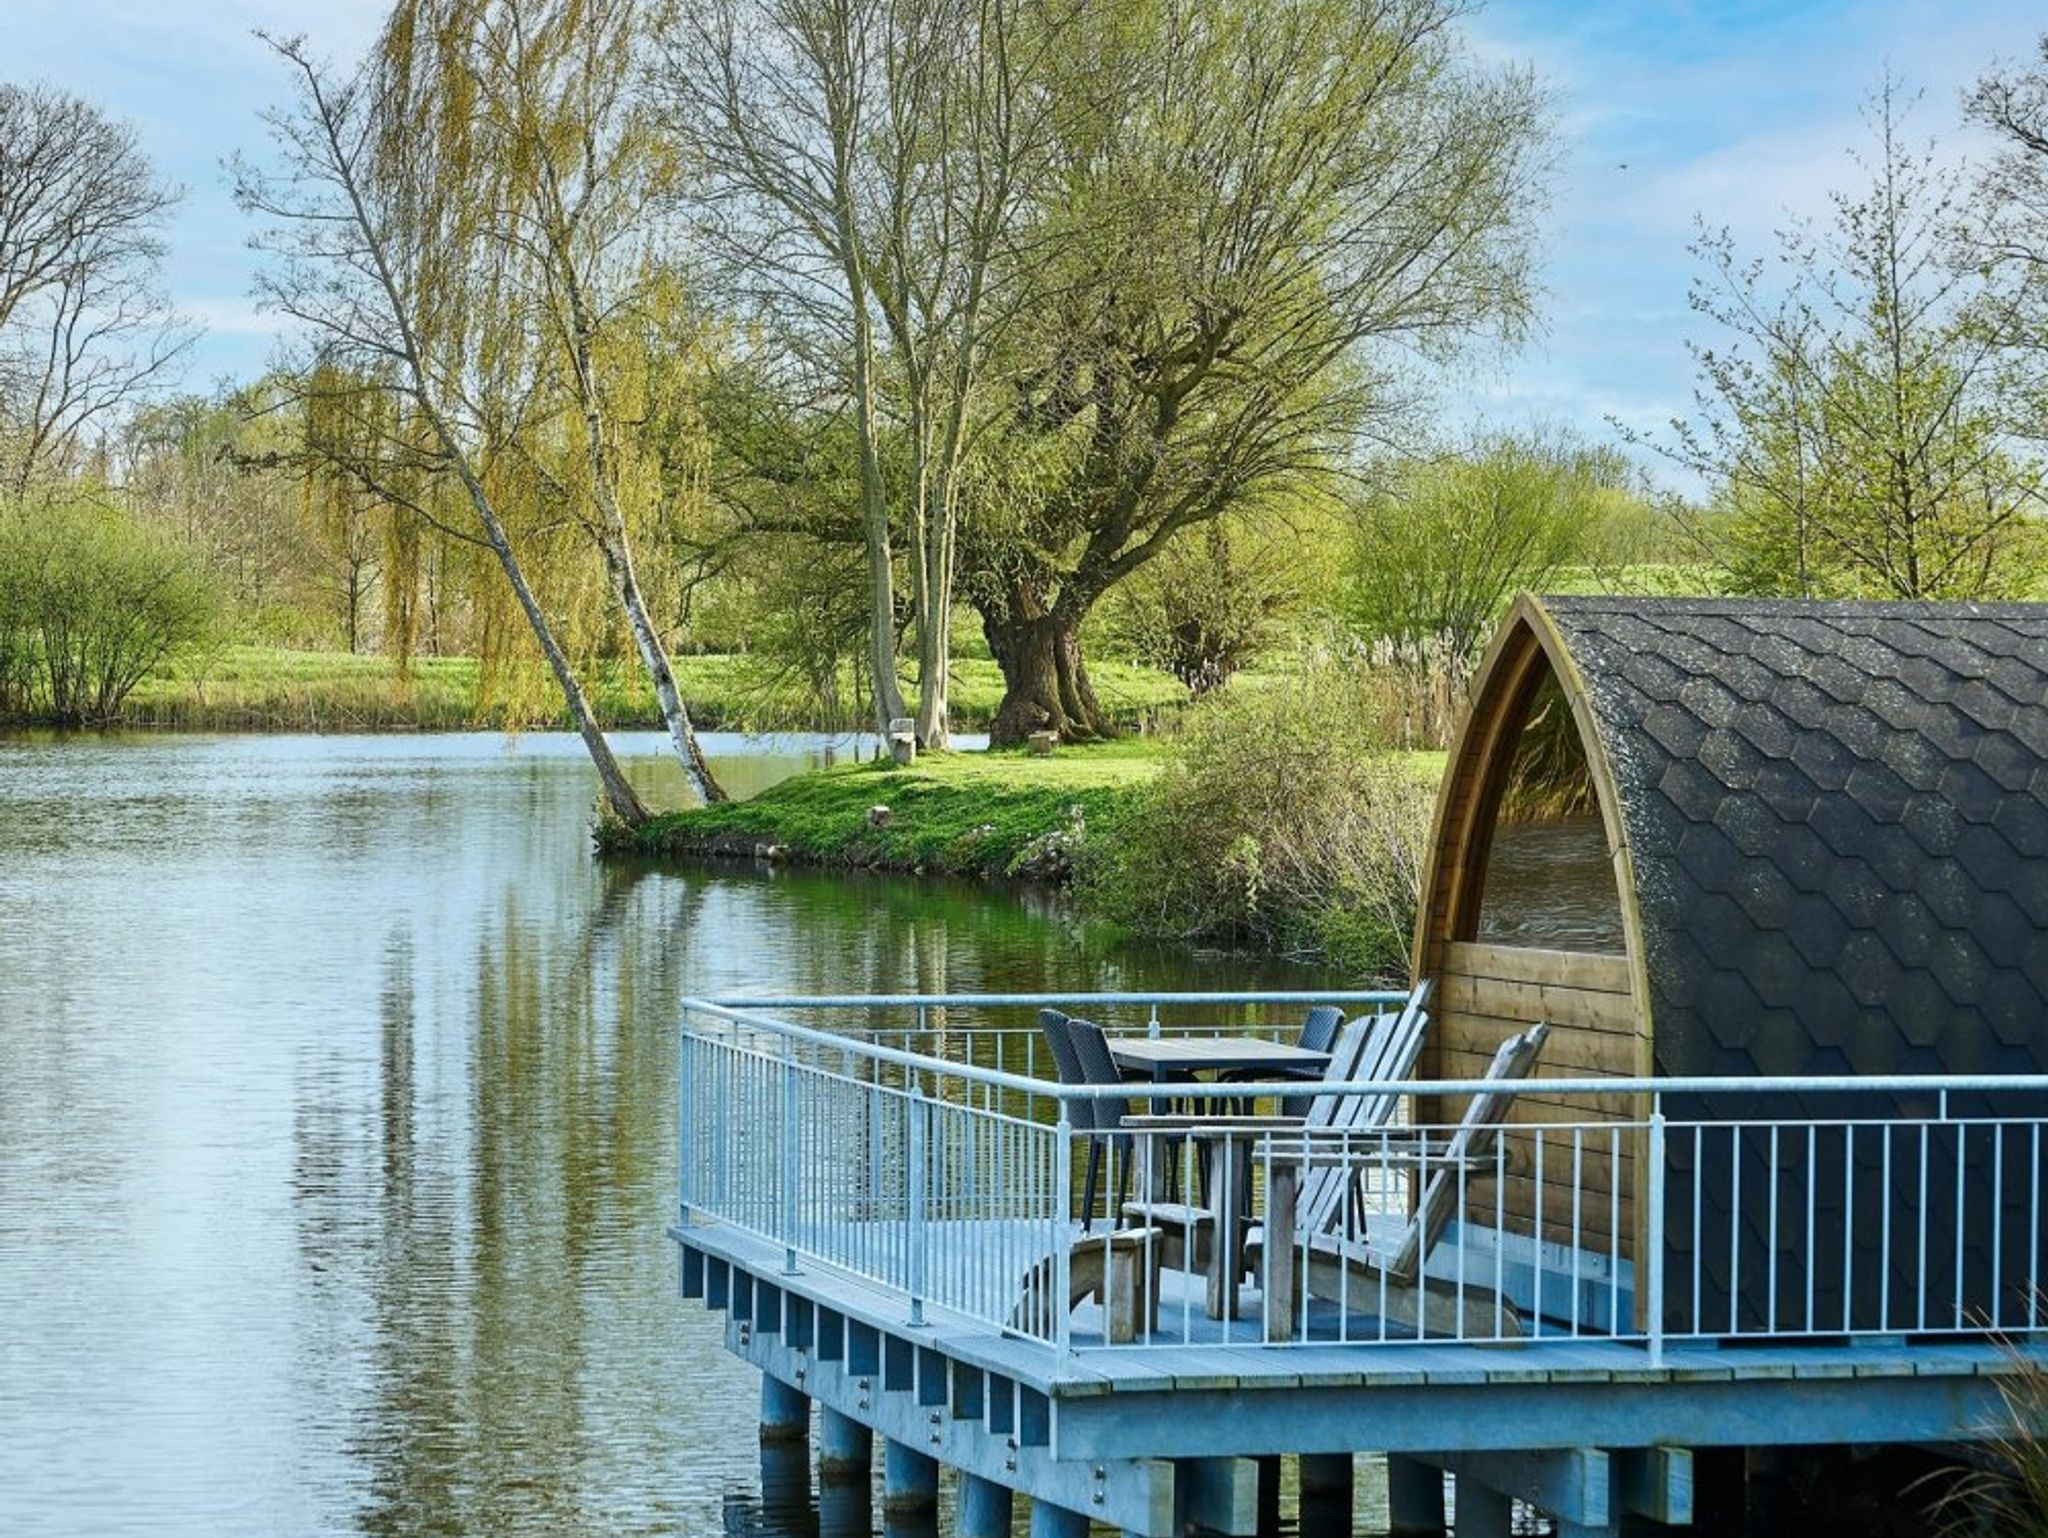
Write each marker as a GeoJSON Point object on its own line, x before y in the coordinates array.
{"type": "Point", "coordinates": [1578, 1227]}
{"type": "Point", "coordinates": [1614, 1233]}
{"type": "Point", "coordinates": [1997, 1131]}
{"type": "Point", "coordinates": [1653, 1229]}
{"type": "Point", "coordinates": [1061, 1213]}
{"type": "Point", "coordinates": [1962, 1149]}
{"type": "Point", "coordinates": [1812, 1144]}
{"type": "Point", "coordinates": [1848, 1226]}
{"type": "Point", "coordinates": [1771, 1264]}
{"type": "Point", "coordinates": [1920, 1268]}
{"type": "Point", "coordinates": [1734, 1226]}
{"type": "Point", "coordinates": [2034, 1231]}
{"type": "Point", "coordinates": [686, 1120]}
{"type": "Point", "coordinates": [1884, 1229]}
{"type": "Point", "coordinates": [790, 1146]}
{"type": "Point", "coordinates": [1699, 1158]}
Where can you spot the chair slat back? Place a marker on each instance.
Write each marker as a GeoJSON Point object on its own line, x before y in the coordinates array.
{"type": "Point", "coordinates": [1478, 1131]}
{"type": "Point", "coordinates": [1387, 1054]}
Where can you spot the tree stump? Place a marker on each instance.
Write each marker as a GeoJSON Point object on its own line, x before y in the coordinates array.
{"type": "Point", "coordinates": [903, 741]}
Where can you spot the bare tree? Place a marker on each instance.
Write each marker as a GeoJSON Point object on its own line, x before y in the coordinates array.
{"type": "Point", "coordinates": [85, 330]}
{"type": "Point", "coordinates": [868, 165]}
{"type": "Point", "coordinates": [357, 219]}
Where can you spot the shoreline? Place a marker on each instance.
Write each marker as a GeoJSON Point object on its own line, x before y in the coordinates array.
{"type": "Point", "coordinates": [989, 816]}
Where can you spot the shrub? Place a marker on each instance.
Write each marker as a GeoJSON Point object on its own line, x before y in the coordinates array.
{"type": "Point", "coordinates": [91, 603]}
{"type": "Point", "coordinates": [1282, 822]}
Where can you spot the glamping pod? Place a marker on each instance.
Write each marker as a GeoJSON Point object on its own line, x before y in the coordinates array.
{"type": "Point", "coordinates": [1727, 839]}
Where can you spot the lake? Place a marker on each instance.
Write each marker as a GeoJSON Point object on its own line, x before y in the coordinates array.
{"type": "Point", "coordinates": [336, 1129]}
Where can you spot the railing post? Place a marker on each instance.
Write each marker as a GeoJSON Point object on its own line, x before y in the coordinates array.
{"type": "Point", "coordinates": [1063, 1227]}
{"type": "Point", "coordinates": [1152, 1026]}
{"type": "Point", "coordinates": [684, 1091]}
{"type": "Point", "coordinates": [919, 1110]}
{"type": "Point", "coordinates": [1653, 1236]}
{"type": "Point", "coordinates": [791, 1145]}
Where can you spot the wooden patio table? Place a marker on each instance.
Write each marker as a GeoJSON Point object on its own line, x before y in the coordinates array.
{"type": "Point", "coordinates": [1240, 1135]}
{"type": "Point", "coordinates": [1169, 1057]}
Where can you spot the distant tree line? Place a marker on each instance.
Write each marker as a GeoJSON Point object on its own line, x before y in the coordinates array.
{"type": "Point", "coordinates": [857, 335]}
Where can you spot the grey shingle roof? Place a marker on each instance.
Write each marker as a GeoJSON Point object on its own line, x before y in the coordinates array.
{"type": "Point", "coordinates": [1838, 819]}
{"type": "Point", "coordinates": [1838, 815]}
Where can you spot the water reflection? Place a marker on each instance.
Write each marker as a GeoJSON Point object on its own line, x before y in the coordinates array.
{"type": "Point", "coordinates": [336, 1128]}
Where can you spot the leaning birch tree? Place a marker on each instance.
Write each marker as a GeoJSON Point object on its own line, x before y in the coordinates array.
{"type": "Point", "coordinates": [357, 226]}
{"type": "Point", "coordinates": [569, 192]}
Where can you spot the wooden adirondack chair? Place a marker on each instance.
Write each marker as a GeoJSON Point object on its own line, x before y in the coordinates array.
{"type": "Point", "coordinates": [1390, 1281]}
{"type": "Point", "coordinates": [1379, 1048]}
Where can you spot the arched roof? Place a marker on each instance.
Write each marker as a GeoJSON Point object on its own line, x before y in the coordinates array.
{"type": "Point", "coordinates": [1835, 818]}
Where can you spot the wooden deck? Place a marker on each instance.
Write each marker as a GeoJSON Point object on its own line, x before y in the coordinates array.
{"type": "Point", "coordinates": [865, 1219]}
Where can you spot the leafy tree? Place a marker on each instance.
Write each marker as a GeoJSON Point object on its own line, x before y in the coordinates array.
{"type": "Point", "coordinates": [1262, 213]}
{"type": "Point", "coordinates": [1440, 550]}
{"type": "Point", "coordinates": [91, 602]}
{"type": "Point", "coordinates": [1857, 429]}
{"type": "Point", "coordinates": [1215, 599]}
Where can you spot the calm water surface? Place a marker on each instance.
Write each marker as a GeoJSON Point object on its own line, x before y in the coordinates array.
{"type": "Point", "coordinates": [335, 1131]}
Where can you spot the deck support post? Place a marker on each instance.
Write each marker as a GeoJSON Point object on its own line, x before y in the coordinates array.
{"type": "Point", "coordinates": [1573, 1486]}
{"type": "Point", "coordinates": [846, 1448]}
{"type": "Point", "coordinates": [1326, 1484]}
{"type": "Point", "coordinates": [1050, 1521]}
{"type": "Point", "coordinates": [1415, 1498]}
{"type": "Point", "coordinates": [910, 1480]}
{"type": "Point", "coordinates": [1483, 1512]}
{"type": "Point", "coordinates": [785, 1411]}
{"type": "Point", "coordinates": [982, 1510]}
{"type": "Point", "coordinates": [1220, 1495]}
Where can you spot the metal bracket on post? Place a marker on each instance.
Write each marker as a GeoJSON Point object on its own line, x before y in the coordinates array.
{"type": "Point", "coordinates": [919, 1110]}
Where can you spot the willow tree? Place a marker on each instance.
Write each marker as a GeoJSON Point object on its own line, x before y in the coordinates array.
{"type": "Point", "coordinates": [868, 169]}
{"type": "Point", "coordinates": [563, 194]}
{"type": "Point", "coordinates": [1263, 214]}
{"type": "Point", "coordinates": [367, 236]}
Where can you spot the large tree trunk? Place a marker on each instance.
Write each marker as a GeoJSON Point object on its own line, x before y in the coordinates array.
{"type": "Point", "coordinates": [1045, 678]}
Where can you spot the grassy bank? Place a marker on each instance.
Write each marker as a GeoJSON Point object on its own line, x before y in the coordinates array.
{"type": "Point", "coordinates": [247, 688]}
{"type": "Point", "coordinates": [971, 814]}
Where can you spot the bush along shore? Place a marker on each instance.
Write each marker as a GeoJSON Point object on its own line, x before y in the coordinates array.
{"type": "Point", "coordinates": [1278, 821]}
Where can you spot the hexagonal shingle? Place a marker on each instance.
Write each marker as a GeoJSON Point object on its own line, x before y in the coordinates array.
{"type": "Point", "coordinates": [1844, 803]}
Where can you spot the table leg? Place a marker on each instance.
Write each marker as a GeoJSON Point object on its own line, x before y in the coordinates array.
{"type": "Point", "coordinates": [1226, 1245]}
{"type": "Point", "coordinates": [1283, 1185]}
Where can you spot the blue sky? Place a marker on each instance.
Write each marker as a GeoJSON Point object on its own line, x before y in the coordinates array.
{"type": "Point", "coordinates": [1741, 112]}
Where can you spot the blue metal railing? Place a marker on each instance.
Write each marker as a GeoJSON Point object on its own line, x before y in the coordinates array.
{"type": "Point", "coordinates": [931, 1158]}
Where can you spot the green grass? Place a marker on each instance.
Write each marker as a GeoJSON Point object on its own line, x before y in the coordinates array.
{"type": "Point", "coordinates": [980, 814]}
{"type": "Point", "coordinates": [253, 688]}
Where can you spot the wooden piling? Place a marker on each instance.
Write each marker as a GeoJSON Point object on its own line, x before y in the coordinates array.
{"type": "Point", "coordinates": [846, 1448]}
{"type": "Point", "coordinates": [983, 1509]}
